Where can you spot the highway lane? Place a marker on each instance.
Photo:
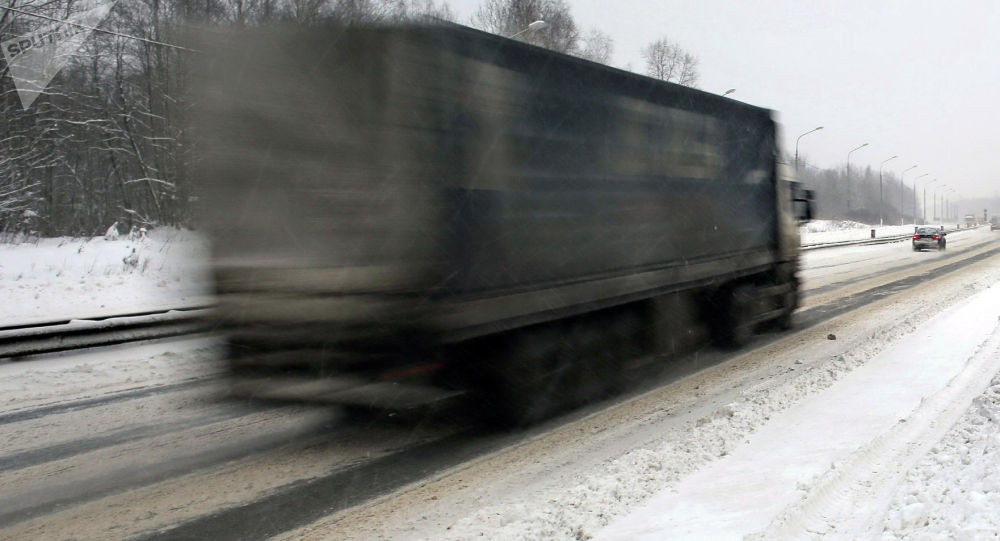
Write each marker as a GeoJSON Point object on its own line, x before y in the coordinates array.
{"type": "Point", "coordinates": [836, 272]}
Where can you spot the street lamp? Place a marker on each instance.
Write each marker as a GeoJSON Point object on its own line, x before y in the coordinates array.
{"type": "Point", "coordinates": [533, 27]}
{"type": "Point", "coordinates": [924, 205]}
{"type": "Point", "coordinates": [915, 197]}
{"type": "Point", "coordinates": [935, 217]}
{"type": "Point", "coordinates": [947, 208]}
{"type": "Point", "coordinates": [728, 92]}
{"type": "Point", "coordinates": [797, 146]}
{"type": "Point", "coordinates": [849, 173]}
{"type": "Point", "coordinates": [880, 188]}
{"type": "Point", "coordinates": [901, 175]}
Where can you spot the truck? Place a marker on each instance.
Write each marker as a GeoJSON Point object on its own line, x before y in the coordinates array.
{"type": "Point", "coordinates": [970, 220]}
{"type": "Point", "coordinates": [400, 215]}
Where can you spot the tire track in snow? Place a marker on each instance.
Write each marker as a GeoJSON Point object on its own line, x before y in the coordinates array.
{"type": "Point", "coordinates": [76, 405]}
{"type": "Point", "coordinates": [844, 501]}
{"type": "Point", "coordinates": [41, 455]}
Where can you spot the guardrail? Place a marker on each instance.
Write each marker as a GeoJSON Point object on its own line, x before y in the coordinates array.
{"type": "Point", "coordinates": [863, 242]}
{"type": "Point", "coordinates": [62, 335]}
{"type": "Point", "coordinates": [860, 242]}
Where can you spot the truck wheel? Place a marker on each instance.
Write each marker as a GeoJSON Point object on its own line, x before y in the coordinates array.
{"type": "Point", "coordinates": [733, 326]}
{"type": "Point", "coordinates": [791, 302]}
{"type": "Point", "coordinates": [783, 322]}
{"type": "Point", "coordinates": [526, 378]}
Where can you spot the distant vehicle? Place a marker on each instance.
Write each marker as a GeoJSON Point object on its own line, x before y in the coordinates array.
{"type": "Point", "coordinates": [994, 223]}
{"type": "Point", "coordinates": [928, 237]}
{"type": "Point", "coordinates": [970, 220]}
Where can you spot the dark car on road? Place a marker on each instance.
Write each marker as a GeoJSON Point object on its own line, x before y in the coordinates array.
{"type": "Point", "coordinates": [928, 237]}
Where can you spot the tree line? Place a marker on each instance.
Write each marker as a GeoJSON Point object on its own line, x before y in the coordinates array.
{"type": "Point", "coordinates": [107, 141]}
{"type": "Point", "coordinates": [856, 195]}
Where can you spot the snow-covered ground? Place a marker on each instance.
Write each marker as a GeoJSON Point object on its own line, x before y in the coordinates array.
{"type": "Point", "coordinates": [823, 231]}
{"type": "Point", "coordinates": [67, 277]}
{"type": "Point", "coordinates": [826, 465]}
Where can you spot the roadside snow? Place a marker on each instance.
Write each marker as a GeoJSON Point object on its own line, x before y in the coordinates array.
{"type": "Point", "coordinates": [955, 491]}
{"type": "Point", "coordinates": [66, 277]}
{"type": "Point", "coordinates": [823, 231]}
{"type": "Point", "coordinates": [847, 429]}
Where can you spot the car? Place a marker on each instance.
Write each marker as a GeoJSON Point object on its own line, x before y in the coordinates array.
{"type": "Point", "coordinates": [928, 237]}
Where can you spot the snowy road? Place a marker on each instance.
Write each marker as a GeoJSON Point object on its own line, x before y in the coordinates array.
{"type": "Point", "coordinates": [133, 442]}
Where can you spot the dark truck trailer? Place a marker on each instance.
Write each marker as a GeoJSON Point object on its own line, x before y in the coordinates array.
{"type": "Point", "coordinates": [426, 208]}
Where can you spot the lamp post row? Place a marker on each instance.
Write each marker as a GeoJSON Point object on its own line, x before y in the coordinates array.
{"type": "Point", "coordinates": [902, 184]}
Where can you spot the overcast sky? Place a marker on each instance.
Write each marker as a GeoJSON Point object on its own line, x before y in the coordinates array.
{"type": "Point", "coordinates": [913, 78]}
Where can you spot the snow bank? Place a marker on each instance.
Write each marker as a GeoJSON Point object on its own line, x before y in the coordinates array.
{"type": "Point", "coordinates": [811, 459]}
{"type": "Point", "coordinates": [821, 231]}
{"type": "Point", "coordinates": [73, 277]}
{"type": "Point", "coordinates": [955, 491]}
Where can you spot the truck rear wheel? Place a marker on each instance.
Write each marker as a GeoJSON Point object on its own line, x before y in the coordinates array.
{"type": "Point", "coordinates": [733, 321]}
{"type": "Point", "coordinates": [535, 372]}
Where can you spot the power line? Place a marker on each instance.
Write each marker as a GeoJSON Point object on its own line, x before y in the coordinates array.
{"type": "Point", "coordinates": [154, 42]}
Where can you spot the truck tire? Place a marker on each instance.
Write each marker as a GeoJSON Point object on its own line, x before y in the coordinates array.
{"type": "Point", "coordinates": [733, 325]}
{"type": "Point", "coordinates": [527, 378]}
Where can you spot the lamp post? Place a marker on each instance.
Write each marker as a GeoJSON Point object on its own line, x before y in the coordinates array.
{"type": "Point", "coordinates": [953, 200]}
{"type": "Point", "coordinates": [533, 27]}
{"type": "Point", "coordinates": [901, 176]}
{"type": "Point", "coordinates": [935, 217]}
{"type": "Point", "coordinates": [849, 173]}
{"type": "Point", "coordinates": [924, 206]}
{"type": "Point", "coordinates": [947, 208]}
{"type": "Point", "coordinates": [915, 197]}
{"type": "Point", "coordinates": [797, 146]}
{"type": "Point", "coordinates": [880, 188]}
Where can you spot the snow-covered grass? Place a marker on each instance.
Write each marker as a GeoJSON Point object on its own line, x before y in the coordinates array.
{"type": "Point", "coordinates": [822, 231]}
{"type": "Point", "coordinates": [53, 278]}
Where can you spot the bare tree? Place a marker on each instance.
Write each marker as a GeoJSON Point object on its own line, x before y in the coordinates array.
{"type": "Point", "coordinates": [352, 12]}
{"type": "Point", "coordinates": [106, 142]}
{"type": "Point", "coordinates": [597, 46]}
{"type": "Point", "coordinates": [667, 61]}
{"type": "Point", "coordinates": [510, 17]}
{"type": "Point", "coordinates": [409, 10]}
